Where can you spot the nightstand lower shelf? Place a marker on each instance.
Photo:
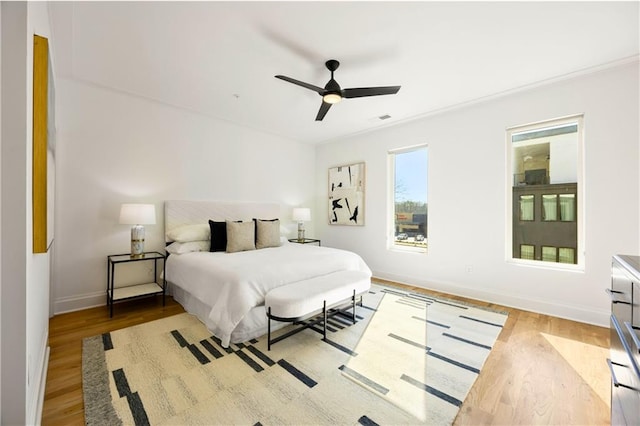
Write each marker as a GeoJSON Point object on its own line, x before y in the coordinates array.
{"type": "Point", "coordinates": [120, 293]}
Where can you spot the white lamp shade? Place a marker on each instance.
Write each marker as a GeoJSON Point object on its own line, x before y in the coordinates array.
{"type": "Point", "coordinates": [138, 214]}
{"type": "Point", "coordinates": [302, 214]}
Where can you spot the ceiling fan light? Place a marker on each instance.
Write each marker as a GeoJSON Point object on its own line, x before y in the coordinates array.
{"type": "Point", "coordinates": [332, 98]}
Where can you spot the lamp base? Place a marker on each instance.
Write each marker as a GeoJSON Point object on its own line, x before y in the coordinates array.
{"type": "Point", "coordinates": [137, 241]}
{"type": "Point", "coordinates": [300, 231]}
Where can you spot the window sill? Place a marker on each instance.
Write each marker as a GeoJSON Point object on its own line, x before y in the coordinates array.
{"type": "Point", "coordinates": [406, 249]}
{"type": "Point", "coordinates": [554, 266]}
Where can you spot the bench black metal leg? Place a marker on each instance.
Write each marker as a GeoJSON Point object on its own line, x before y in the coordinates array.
{"type": "Point", "coordinates": [353, 298]}
{"type": "Point", "coordinates": [324, 322]}
{"type": "Point", "coordinates": [269, 329]}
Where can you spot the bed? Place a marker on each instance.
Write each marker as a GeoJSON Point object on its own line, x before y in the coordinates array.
{"type": "Point", "coordinates": [226, 290]}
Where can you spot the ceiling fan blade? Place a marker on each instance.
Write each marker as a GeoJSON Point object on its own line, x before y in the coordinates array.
{"type": "Point", "coordinates": [324, 108]}
{"type": "Point", "coordinates": [370, 91]}
{"type": "Point", "coordinates": [317, 89]}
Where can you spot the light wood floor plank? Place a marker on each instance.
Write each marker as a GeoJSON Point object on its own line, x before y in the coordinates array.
{"type": "Point", "coordinates": [542, 369]}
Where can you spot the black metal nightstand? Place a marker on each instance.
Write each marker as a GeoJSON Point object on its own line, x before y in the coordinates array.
{"type": "Point", "coordinates": [305, 241]}
{"type": "Point", "coordinates": [115, 294]}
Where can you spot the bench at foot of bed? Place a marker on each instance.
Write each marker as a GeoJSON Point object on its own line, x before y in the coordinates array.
{"type": "Point", "coordinates": [327, 294]}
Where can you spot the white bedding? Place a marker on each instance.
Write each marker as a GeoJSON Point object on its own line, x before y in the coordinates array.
{"type": "Point", "coordinates": [234, 283]}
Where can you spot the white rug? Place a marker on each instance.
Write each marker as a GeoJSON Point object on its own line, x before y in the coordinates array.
{"type": "Point", "coordinates": [172, 371]}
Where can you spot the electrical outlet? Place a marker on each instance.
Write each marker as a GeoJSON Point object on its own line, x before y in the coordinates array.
{"type": "Point", "coordinates": [468, 269]}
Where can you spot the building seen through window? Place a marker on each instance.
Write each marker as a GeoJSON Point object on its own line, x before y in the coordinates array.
{"type": "Point", "coordinates": [545, 173]}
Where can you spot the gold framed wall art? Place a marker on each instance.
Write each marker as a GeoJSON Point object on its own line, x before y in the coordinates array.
{"type": "Point", "coordinates": [43, 161]}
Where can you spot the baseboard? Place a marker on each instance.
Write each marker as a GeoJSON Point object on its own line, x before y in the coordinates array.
{"type": "Point", "coordinates": [77, 303]}
{"type": "Point", "coordinates": [63, 305]}
{"type": "Point", "coordinates": [43, 386]}
{"type": "Point", "coordinates": [571, 312]}
{"type": "Point", "coordinates": [36, 404]}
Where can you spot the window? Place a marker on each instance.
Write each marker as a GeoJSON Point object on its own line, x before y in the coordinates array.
{"type": "Point", "coordinates": [526, 251]}
{"type": "Point", "coordinates": [567, 207]}
{"type": "Point", "coordinates": [549, 254]}
{"type": "Point", "coordinates": [566, 255]}
{"type": "Point", "coordinates": [545, 176]}
{"type": "Point", "coordinates": [408, 199]}
{"type": "Point", "coordinates": [526, 207]}
{"type": "Point", "coordinates": [549, 207]}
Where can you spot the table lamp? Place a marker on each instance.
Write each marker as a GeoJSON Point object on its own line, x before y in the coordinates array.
{"type": "Point", "coordinates": [137, 215]}
{"type": "Point", "coordinates": [302, 215]}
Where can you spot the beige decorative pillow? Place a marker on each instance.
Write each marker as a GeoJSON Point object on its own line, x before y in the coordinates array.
{"type": "Point", "coordinates": [241, 236]}
{"type": "Point", "coordinates": [267, 233]}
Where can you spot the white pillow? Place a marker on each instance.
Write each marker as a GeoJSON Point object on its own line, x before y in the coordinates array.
{"type": "Point", "coordinates": [186, 233]}
{"type": "Point", "coordinates": [241, 236]}
{"type": "Point", "coordinates": [188, 247]}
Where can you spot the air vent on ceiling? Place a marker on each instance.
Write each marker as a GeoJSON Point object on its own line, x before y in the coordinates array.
{"type": "Point", "coordinates": [384, 117]}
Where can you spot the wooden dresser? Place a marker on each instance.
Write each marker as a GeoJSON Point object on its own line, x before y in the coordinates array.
{"type": "Point", "coordinates": [625, 340]}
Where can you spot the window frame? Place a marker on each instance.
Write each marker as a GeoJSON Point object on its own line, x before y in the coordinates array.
{"type": "Point", "coordinates": [391, 201]}
{"type": "Point", "coordinates": [580, 250]}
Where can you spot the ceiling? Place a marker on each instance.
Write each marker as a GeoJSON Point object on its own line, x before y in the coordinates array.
{"type": "Point", "coordinates": [219, 59]}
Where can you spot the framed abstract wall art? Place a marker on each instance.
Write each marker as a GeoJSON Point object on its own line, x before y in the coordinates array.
{"type": "Point", "coordinates": [346, 194]}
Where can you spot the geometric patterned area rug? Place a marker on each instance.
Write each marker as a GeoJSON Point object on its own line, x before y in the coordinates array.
{"type": "Point", "coordinates": [409, 359]}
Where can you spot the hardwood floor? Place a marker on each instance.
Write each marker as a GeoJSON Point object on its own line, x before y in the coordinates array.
{"type": "Point", "coordinates": [542, 370]}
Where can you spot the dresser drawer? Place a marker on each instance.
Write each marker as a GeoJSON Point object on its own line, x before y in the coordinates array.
{"type": "Point", "coordinates": [625, 378]}
{"type": "Point", "coordinates": [623, 410]}
{"type": "Point", "coordinates": [621, 293]}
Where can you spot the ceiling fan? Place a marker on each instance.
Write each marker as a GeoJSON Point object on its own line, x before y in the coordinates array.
{"type": "Point", "coordinates": [332, 93]}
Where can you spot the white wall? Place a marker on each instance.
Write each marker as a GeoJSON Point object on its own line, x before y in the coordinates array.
{"type": "Point", "coordinates": [467, 196]}
{"type": "Point", "coordinates": [38, 265]}
{"type": "Point", "coordinates": [25, 276]}
{"type": "Point", "coordinates": [1, 258]}
{"type": "Point", "coordinates": [14, 193]}
{"type": "Point", "coordinates": [113, 148]}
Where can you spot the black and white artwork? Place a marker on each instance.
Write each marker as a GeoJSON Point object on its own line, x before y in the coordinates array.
{"type": "Point", "coordinates": [346, 195]}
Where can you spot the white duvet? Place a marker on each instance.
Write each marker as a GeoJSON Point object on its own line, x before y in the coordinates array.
{"type": "Point", "coordinates": [233, 283]}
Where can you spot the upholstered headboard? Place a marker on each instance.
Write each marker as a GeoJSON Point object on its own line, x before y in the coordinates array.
{"type": "Point", "coordinates": [188, 212]}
